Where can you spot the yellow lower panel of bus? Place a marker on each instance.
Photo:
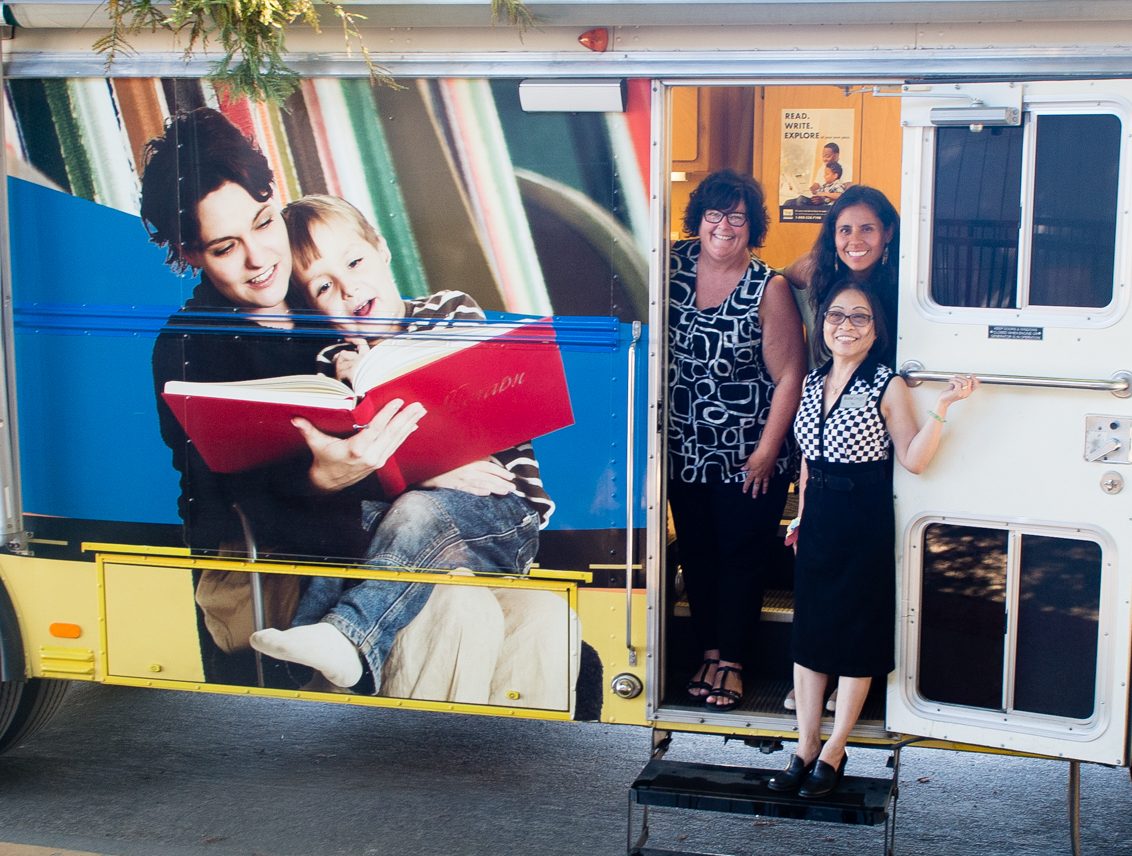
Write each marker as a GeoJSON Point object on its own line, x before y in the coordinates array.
{"type": "Point", "coordinates": [56, 605]}
{"type": "Point", "coordinates": [151, 625]}
{"type": "Point", "coordinates": [479, 641]}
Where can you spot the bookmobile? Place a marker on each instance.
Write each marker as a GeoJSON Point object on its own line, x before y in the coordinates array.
{"type": "Point", "coordinates": [545, 174]}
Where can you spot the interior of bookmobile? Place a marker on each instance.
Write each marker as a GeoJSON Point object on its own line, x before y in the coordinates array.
{"type": "Point", "coordinates": [545, 174]}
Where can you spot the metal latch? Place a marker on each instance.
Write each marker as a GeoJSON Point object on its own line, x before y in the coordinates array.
{"type": "Point", "coordinates": [1108, 439]}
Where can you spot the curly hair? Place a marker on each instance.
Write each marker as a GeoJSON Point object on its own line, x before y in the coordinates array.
{"type": "Point", "coordinates": [199, 151]}
{"type": "Point", "coordinates": [723, 191]}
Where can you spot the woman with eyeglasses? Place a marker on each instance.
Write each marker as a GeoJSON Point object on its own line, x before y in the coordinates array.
{"type": "Point", "coordinates": [736, 361]}
{"type": "Point", "coordinates": [855, 414]}
{"type": "Point", "coordinates": [859, 240]}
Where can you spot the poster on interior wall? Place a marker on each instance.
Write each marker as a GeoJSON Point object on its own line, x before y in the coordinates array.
{"type": "Point", "coordinates": [816, 162]}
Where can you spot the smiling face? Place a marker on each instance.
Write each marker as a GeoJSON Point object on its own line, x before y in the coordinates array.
{"type": "Point", "coordinates": [860, 239]}
{"type": "Point", "coordinates": [723, 243]}
{"type": "Point", "coordinates": [243, 249]}
{"type": "Point", "coordinates": [845, 339]}
{"type": "Point", "coordinates": [350, 279]}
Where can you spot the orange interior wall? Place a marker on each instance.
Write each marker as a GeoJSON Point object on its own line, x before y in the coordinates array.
{"type": "Point", "coordinates": [709, 124]}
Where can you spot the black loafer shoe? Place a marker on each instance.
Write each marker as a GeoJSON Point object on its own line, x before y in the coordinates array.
{"type": "Point", "coordinates": [823, 780]}
{"type": "Point", "coordinates": [791, 778]}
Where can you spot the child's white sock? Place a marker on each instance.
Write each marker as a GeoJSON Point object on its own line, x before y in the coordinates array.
{"type": "Point", "coordinates": [321, 646]}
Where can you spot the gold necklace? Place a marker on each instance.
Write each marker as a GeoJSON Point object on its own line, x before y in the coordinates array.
{"type": "Point", "coordinates": [841, 386]}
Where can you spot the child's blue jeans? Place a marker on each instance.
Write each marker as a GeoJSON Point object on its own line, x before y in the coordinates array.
{"type": "Point", "coordinates": [438, 529]}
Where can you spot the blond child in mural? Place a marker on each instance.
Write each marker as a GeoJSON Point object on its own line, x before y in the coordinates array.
{"type": "Point", "coordinates": [483, 516]}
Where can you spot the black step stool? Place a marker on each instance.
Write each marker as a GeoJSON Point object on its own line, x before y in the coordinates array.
{"type": "Point", "coordinates": [858, 800]}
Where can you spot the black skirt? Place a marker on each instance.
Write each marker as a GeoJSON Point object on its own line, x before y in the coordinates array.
{"type": "Point", "coordinates": [845, 572]}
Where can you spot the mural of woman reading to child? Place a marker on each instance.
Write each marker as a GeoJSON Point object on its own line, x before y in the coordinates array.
{"type": "Point", "coordinates": [267, 283]}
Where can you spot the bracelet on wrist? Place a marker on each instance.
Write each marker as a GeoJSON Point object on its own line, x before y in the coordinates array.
{"type": "Point", "coordinates": [936, 417]}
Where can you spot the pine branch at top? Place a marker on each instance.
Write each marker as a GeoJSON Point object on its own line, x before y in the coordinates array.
{"type": "Point", "coordinates": [251, 35]}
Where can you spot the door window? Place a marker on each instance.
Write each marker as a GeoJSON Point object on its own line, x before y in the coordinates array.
{"type": "Point", "coordinates": [1009, 620]}
{"type": "Point", "coordinates": [1026, 216]}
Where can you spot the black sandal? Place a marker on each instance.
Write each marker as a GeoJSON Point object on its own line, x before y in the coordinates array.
{"type": "Point", "coordinates": [720, 691]}
{"type": "Point", "coordinates": [701, 684]}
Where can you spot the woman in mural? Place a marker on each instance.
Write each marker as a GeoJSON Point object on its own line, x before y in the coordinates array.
{"type": "Point", "coordinates": [208, 197]}
{"type": "Point", "coordinates": [736, 362]}
{"type": "Point", "coordinates": [855, 414]}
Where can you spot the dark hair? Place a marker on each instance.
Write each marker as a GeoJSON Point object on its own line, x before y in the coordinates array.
{"type": "Point", "coordinates": [723, 191]}
{"type": "Point", "coordinates": [833, 147]}
{"type": "Point", "coordinates": [199, 151]}
{"type": "Point", "coordinates": [826, 266]}
{"type": "Point", "coordinates": [876, 306]}
{"type": "Point", "coordinates": [835, 168]}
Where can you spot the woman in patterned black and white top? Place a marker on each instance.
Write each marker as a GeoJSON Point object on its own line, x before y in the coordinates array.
{"type": "Point", "coordinates": [735, 364]}
{"type": "Point", "coordinates": [855, 413]}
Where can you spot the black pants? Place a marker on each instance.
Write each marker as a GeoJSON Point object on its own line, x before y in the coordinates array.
{"type": "Point", "coordinates": [726, 540]}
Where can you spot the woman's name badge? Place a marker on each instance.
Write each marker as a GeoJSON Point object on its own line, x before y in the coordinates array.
{"type": "Point", "coordinates": [853, 402]}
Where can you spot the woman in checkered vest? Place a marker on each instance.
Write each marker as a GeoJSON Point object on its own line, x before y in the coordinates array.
{"type": "Point", "coordinates": [855, 413]}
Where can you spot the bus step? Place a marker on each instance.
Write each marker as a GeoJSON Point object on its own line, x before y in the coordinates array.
{"type": "Point", "coordinates": [859, 800]}
{"type": "Point", "coordinates": [778, 605]}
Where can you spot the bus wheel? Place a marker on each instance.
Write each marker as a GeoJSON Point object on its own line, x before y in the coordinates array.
{"type": "Point", "coordinates": [26, 706]}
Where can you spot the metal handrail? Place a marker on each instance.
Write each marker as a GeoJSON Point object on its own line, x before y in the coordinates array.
{"type": "Point", "coordinates": [630, 499]}
{"type": "Point", "coordinates": [12, 527]}
{"type": "Point", "coordinates": [1120, 384]}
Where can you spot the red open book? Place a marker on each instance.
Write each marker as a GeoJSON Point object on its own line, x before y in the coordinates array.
{"type": "Point", "coordinates": [485, 387]}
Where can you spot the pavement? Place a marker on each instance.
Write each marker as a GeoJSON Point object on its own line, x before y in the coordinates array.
{"type": "Point", "coordinates": [125, 771]}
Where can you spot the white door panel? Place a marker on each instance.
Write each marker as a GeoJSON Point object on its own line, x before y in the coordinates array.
{"type": "Point", "coordinates": [1014, 588]}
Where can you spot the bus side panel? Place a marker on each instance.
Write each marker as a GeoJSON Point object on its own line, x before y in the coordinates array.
{"type": "Point", "coordinates": [530, 215]}
{"type": "Point", "coordinates": [57, 608]}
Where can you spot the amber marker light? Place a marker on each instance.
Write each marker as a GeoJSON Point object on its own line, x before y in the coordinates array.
{"type": "Point", "coordinates": [63, 630]}
{"type": "Point", "coordinates": [597, 39]}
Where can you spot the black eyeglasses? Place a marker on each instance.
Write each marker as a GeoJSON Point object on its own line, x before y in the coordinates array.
{"type": "Point", "coordinates": [857, 319]}
{"type": "Point", "coordinates": [735, 218]}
